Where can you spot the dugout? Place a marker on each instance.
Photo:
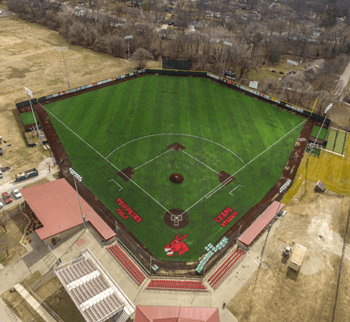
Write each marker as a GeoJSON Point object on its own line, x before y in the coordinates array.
{"type": "Point", "coordinates": [319, 141]}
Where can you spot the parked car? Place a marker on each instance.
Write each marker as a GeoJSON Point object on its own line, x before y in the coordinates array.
{"type": "Point", "coordinates": [6, 197]}
{"type": "Point", "coordinates": [16, 193]}
{"type": "Point", "coordinates": [1, 176]}
{"type": "Point", "coordinates": [1, 204]}
{"type": "Point", "coordinates": [1, 151]}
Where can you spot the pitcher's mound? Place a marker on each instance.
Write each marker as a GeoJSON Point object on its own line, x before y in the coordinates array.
{"type": "Point", "coordinates": [176, 218]}
{"type": "Point", "coordinates": [176, 178]}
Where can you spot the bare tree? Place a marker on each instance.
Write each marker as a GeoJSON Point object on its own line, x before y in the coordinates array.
{"type": "Point", "coordinates": [5, 244]}
{"type": "Point", "coordinates": [141, 56]}
{"type": "Point", "coordinates": [4, 219]}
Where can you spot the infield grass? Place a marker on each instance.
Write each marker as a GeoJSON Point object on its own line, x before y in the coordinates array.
{"type": "Point", "coordinates": [132, 123]}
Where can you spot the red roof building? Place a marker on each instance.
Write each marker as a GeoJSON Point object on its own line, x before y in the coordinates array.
{"type": "Point", "coordinates": [176, 314]}
{"type": "Point", "coordinates": [55, 204]}
{"type": "Point", "coordinates": [260, 223]}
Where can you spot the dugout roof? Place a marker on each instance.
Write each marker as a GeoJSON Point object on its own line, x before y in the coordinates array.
{"type": "Point", "coordinates": [260, 223]}
{"type": "Point", "coordinates": [55, 204]}
{"type": "Point", "coordinates": [176, 314]}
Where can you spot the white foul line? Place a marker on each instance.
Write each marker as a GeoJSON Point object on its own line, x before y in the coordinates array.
{"type": "Point", "coordinates": [151, 160]}
{"type": "Point", "coordinates": [218, 187]}
{"type": "Point", "coordinates": [121, 188]}
{"type": "Point", "coordinates": [104, 158]}
{"type": "Point", "coordinates": [235, 189]}
{"type": "Point", "coordinates": [200, 161]}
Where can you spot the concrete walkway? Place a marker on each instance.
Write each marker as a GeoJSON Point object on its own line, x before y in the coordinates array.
{"type": "Point", "coordinates": [33, 303]}
{"type": "Point", "coordinates": [6, 314]}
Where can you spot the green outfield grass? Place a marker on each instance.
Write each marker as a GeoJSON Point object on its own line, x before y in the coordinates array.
{"type": "Point", "coordinates": [322, 135]}
{"type": "Point", "coordinates": [132, 123]}
{"type": "Point", "coordinates": [340, 142]}
{"type": "Point", "coordinates": [27, 118]}
{"type": "Point", "coordinates": [331, 139]}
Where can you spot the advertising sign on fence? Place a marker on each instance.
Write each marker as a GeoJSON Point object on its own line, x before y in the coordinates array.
{"type": "Point", "coordinates": [253, 84]}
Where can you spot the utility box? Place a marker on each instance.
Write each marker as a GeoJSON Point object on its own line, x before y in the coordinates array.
{"type": "Point", "coordinates": [320, 186]}
{"type": "Point", "coordinates": [297, 257]}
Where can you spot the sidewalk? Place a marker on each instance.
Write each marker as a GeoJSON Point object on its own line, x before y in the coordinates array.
{"type": "Point", "coordinates": [33, 303]}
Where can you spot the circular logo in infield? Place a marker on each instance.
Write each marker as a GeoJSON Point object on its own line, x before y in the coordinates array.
{"type": "Point", "coordinates": [176, 178]}
{"type": "Point", "coordinates": [176, 218]}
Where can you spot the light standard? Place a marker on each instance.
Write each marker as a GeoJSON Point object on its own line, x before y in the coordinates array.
{"type": "Point", "coordinates": [79, 178]}
{"type": "Point", "coordinates": [227, 44]}
{"type": "Point", "coordinates": [29, 93]}
{"type": "Point", "coordinates": [328, 108]}
{"type": "Point", "coordinates": [283, 189]}
{"type": "Point", "coordinates": [292, 63]}
{"type": "Point", "coordinates": [63, 49]}
{"type": "Point", "coordinates": [128, 38]}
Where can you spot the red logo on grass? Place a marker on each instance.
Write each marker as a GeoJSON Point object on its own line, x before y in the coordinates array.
{"type": "Point", "coordinates": [176, 245]}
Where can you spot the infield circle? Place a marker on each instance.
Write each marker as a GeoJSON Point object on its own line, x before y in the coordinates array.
{"type": "Point", "coordinates": [176, 212]}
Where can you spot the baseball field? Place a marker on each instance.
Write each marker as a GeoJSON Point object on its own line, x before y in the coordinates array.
{"type": "Point", "coordinates": [167, 155]}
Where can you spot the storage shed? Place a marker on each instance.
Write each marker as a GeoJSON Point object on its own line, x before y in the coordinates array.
{"type": "Point", "coordinates": [297, 257]}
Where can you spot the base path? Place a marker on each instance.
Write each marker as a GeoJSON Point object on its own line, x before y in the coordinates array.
{"type": "Point", "coordinates": [33, 303]}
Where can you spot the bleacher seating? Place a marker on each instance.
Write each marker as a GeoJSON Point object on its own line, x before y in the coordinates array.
{"type": "Point", "coordinates": [176, 285]}
{"type": "Point", "coordinates": [225, 268]}
{"type": "Point", "coordinates": [129, 266]}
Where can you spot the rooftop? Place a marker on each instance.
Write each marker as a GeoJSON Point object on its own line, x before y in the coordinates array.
{"type": "Point", "coordinates": [55, 204]}
{"type": "Point", "coordinates": [260, 223]}
{"type": "Point", "coordinates": [176, 314]}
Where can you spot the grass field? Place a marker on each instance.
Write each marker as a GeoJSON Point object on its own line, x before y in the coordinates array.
{"type": "Point", "coordinates": [27, 118]}
{"type": "Point", "coordinates": [323, 133]}
{"type": "Point", "coordinates": [339, 144]}
{"type": "Point", "coordinates": [132, 123]}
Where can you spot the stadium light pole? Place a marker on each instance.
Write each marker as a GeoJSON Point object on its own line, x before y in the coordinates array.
{"type": "Point", "coordinates": [283, 189]}
{"type": "Point", "coordinates": [292, 63]}
{"type": "Point", "coordinates": [78, 177]}
{"type": "Point", "coordinates": [30, 94]}
{"type": "Point", "coordinates": [64, 62]}
{"type": "Point", "coordinates": [227, 44]}
{"type": "Point", "coordinates": [328, 108]}
{"type": "Point", "coordinates": [128, 38]}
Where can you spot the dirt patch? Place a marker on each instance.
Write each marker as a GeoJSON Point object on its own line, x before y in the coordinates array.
{"type": "Point", "coordinates": [225, 177]}
{"type": "Point", "coordinates": [52, 292]}
{"type": "Point", "coordinates": [176, 147]}
{"type": "Point", "coordinates": [32, 61]}
{"type": "Point", "coordinates": [20, 306]}
{"type": "Point", "coordinates": [176, 218]}
{"type": "Point", "coordinates": [10, 238]}
{"type": "Point", "coordinates": [281, 294]}
{"type": "Point", "coordinates": [126, 174]}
